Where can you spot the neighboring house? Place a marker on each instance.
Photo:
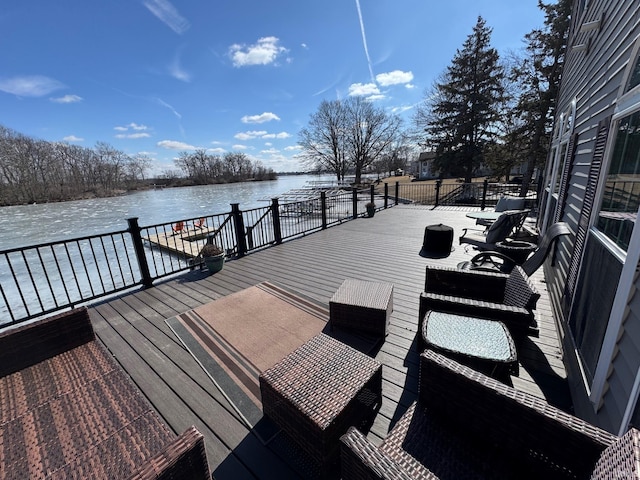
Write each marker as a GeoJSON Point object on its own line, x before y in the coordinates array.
{"type": "Point", "coordinates": [424, 170]}
{"type": "Point", "coordinates": [593, 183]}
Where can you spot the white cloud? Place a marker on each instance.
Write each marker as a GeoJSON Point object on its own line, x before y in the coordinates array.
{"type": "Point", "coordinates": [395, 77]}
{"type": "Point", "coordinates": [133, 135]}
{"type": "Point", "coordinates": [175, 145]}
{"type": "Point", "coordinates": [239, 147]}
{"type": "Point", "coordinates": [30, 86]}
{"type": "Point", "coordinates": [217, 151]}
{"type": "Point", "coordinates": [410, 86]}
{"type": "Point", "coordinates": [73, 138]}
{"type": "Point", "coordinates": [250, 135]}
{"type": "Point", "coordinates": [277, 135]}
{"type": "Point", "coordinates": [401, 109]}
{"type": "Point", "coordinates": [292, 148]}
{"type": "Point", "coordinates": [67, 99]}
{"type": "Point", "coordinates": [363, 89]}
{"type": "Point", "coordinates": [132, 126]}
{"type": "Point", "coordinates": [264, 52]}
{"type": "Point", "coordinates": [373, 98]}
{"type": "Point", "coordinates": [262, 118]}
{"type": "Point", "coordinates": [271, 151]}
{"type": "Point", "coordinates": [167, 13]}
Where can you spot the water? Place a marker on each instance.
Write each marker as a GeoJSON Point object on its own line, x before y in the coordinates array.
{"type": "Point", "coordinates": [34, 224]}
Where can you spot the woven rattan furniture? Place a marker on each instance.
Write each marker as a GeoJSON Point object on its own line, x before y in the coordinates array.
{"type": "Point", "coordinates": [482, 344]}
{"type": "Point", "coordinates": [500, 262]}
{"type": "Point", "coordinates": [362, 306]}
{"type": "Point", "coordinates": [467, 425]}
{"type": "Point", "coordinates": [509, 298]}
{"type": "Point", "coordinates": [67, 410]}
{"type": "Point", "coordinates": [318, 391]}
{"type": "Point", "coordinates": [507, 223]}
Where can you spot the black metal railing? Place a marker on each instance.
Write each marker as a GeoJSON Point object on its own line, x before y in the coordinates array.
{"type": "Point", "coordinates": [482, 194]}
{"type": "Point", "coordinates": [40, 279]}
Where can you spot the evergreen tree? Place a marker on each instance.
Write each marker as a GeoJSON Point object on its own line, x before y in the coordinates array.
{"type": "Point", "coordinates": [538, 75]}
{"type": "Point", "coordinates": [460, 117]}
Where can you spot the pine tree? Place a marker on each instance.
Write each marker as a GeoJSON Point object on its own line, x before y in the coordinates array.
{"type": "Point", "coordinates": [462, 114]}
{"type": "Point", "coordinates": [539, 76]}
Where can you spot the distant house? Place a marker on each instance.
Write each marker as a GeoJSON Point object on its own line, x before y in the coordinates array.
{"type": "Point", "coordinates": [424, 166]}
{"type": "Point", "coordinates": [592, 182]}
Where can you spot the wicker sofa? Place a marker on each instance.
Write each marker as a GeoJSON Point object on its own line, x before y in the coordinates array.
{"type": "Point", "coordinates": [510, 298]}
{"type": "Point", "coordinates": [466, 425]}
{"type": "Point", "coordinates": [67, 410]}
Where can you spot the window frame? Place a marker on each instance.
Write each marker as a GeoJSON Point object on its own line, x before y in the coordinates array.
{"type": "Point", "coordinates": [627, 104]}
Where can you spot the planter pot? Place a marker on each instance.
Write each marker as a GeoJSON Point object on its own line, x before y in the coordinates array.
{"type": "Point", "coordinates": [371, 211]}
{"type": "Point", "coordinates": [214, 264]}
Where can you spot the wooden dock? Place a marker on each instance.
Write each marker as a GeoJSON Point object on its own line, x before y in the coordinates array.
{"type": "Point", "coordinates": [187, 242]}
{"type": "Point", "coordinates": [384, 248]}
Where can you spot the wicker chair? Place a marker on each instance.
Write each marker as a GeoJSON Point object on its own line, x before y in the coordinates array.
{"type": "Point", "coordinates": [72, 412]}
{"type": "Point", "coordinates": [509, 222]}
{"type": "Point", "coordinates": [490, 261]}
{"type": "Point", "coordinates": [509, 298]}
{"type": "Point", "coordinates": [466, 425]}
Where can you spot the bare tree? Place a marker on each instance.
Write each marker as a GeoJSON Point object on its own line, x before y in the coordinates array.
{"type": "Point", "coordinates": [349, 133]}
{"type": "Point", "coordinates": [323, 140]}
{"type": "Point", "coordinates": [370, 132]}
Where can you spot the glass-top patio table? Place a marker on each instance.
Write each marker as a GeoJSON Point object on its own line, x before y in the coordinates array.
{"type": "Point", "coordinates": [482, 344]}
{"type": "Point", "coordinates": [490, 216]}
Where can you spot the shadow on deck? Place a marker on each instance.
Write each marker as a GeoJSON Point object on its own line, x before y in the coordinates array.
{"type": "Point", "coordinates": [384, 248]}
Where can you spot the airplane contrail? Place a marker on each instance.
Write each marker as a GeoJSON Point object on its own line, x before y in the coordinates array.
{"type": "Point", "coordinates": [364, 42]}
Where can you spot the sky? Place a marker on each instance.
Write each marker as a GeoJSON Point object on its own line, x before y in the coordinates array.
{"type": "Point", "coordinates": [161, 77]}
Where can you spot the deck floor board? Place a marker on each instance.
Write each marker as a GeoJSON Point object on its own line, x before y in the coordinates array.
{"type": "Point", "coordinates": [384, 248]}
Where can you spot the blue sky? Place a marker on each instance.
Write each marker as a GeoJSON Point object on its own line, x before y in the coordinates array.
{"type": "Point", "coordinates": [163, 76]}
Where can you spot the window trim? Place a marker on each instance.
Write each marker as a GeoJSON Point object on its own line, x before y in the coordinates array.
{"type": "Point", "coordinates": [627, 104]}
{"type": "Point", "coordinates": [561, 138]}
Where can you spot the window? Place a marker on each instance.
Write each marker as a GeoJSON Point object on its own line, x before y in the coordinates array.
{"type": "Point", "coordinates": [621, 197]}
{"type": "Point", "coordinates": [634, 78]}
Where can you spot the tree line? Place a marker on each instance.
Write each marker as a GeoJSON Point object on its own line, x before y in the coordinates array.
{"type": "Point", "coordinates": [38, 171]}
{"type": "Point", "coordinates": [483, 112]}
{"type": "Point", "coordinates": [202, 168]}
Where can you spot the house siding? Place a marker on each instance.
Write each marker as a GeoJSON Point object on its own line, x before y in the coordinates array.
{"type": "Point", "coordinates": [593, 80]}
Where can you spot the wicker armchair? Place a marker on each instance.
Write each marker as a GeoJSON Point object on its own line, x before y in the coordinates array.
{"type": "Point", "coordinates": [466, 425]}
{"type": "Point", "coordinates": [509, 222]}
{"type": "Point", "coordinates": [510, 298]}
{"type": "Point", "coordinates": [72, 412]}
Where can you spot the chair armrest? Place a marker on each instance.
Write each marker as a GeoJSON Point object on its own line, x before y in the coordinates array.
{"type": "Point", "coordinates": [532, 433]}
{"type": "Point", "coordinates": [520, 321]}
{"type": "Point", "coordinates": [485, 286]}
{"type": "Point", "coordinates": [491, 259]}
{"type": "Point", "coordinates": [360, 459]}
{"type": "Point", "coordinates": [184, 458]}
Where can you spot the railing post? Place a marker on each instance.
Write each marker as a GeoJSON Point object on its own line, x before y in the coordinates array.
{"type": "Point", "coordinates": [485, 185]}
{"type": "Point", "coordinates": [238, 223]}
{"type": "Point", "coordinates": [386, 195]}
{"type": "Point", "coordinates": [397, 193]}
{"type": "Point", "coordinates": [275, 212]}
{"type": "Point", "coordinates": [438, 184]}
{"type": "Point", "coordinates": [354, 201]}
{"type": "Point", "coordinates": [372, 193]}
{"type": "Point", "coordinates": [323, 208]}
{"type": "Point", "coordinates": [138, 247]}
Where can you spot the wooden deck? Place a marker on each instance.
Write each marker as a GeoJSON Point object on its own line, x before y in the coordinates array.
{"type": "Point", "coordinates": [384, 248]}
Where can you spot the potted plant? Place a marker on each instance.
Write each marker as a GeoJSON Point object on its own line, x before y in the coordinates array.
{"type": "Point", "coordinates": [213, 257]}
{"type": "Point", "coordinates": [371, 209]}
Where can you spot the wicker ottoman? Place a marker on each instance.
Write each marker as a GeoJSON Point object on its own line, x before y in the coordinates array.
{"type": "Point", "coordinates": [362, 306]}
{"type": "Point", "coordinates": [318, 391]}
